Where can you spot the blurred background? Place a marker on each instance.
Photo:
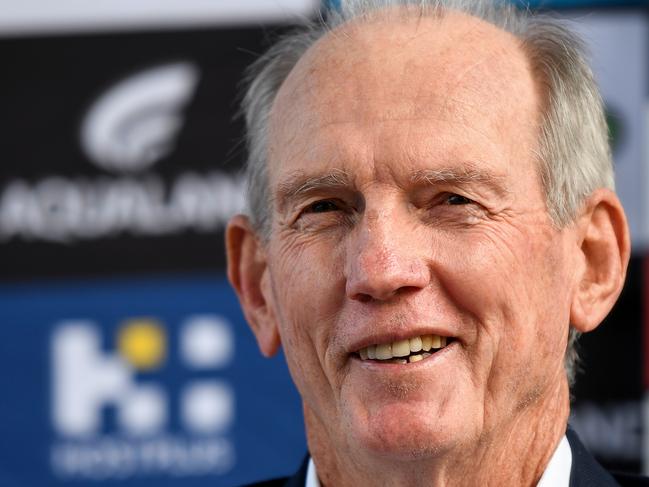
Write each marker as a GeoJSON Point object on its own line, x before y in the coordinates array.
{"type": "Point", "coordinates": [124, 359]}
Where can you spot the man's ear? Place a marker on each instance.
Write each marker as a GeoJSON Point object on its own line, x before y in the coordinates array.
{"type": "Point", "coordinates": [604, 244]}
{"type": "Point", "coordinates": [248, 274]}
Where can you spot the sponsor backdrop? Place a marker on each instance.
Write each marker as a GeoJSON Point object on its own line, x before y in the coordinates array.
{"type": "Point", "coordinates": [124, 359]}
{"type": "Point", "coordinates": [139, 382]}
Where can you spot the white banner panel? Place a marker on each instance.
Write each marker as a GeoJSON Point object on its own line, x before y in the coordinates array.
{"type": "Point", "coordinates": [20, 17]}
{"type": "Point", "coordinates": [619, 45]}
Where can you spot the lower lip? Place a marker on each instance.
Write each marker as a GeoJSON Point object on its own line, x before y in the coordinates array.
{"type": "Point", "coordinates": [375, 365]}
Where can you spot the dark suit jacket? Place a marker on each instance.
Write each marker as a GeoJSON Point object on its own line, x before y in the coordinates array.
{"type": "Point", "coordinates": [585, 472]}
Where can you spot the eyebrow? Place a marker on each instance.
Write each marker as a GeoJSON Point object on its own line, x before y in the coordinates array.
{"type": "Point", "coordinates": [465, 175]}
{"type": "Point", "coordinates": [299, 184]}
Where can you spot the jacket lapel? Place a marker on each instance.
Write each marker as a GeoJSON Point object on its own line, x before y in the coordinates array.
{"type": "Point", "coordinates": [585, 471]}
{"type": "Point", "coordinates": [299, 479]}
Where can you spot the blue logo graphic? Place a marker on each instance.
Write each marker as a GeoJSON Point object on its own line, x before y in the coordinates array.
{"type": "Point", "coordinates": [139, 382]}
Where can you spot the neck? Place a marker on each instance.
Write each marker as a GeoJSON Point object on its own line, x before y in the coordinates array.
{"type": "Point", "coordinates": [514, 453]}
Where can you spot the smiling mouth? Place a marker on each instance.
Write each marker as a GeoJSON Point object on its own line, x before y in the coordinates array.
{"type": "Point", "coordinates": [404, 351]}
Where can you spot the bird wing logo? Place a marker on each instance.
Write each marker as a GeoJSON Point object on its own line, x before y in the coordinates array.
{"type": "Point", "coordinates": [134, 124]}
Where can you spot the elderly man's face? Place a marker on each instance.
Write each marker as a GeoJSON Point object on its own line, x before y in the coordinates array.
{"type": "Point", "coordinates": [407, 203]}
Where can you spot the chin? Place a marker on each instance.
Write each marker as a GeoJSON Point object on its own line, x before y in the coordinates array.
{"type": "Point", "coordinates": [400, 433]}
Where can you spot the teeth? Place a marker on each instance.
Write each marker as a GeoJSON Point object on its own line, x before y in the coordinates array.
{"type": "Point", "coordinates": [415, 344]}
{"type": "Point", "coordinates": [401, 348]}
{"type": "Point", "coordinates": [400, 361]}
{"type": "Point", "coordinates": [384, 351]}
{"type": "Point", "coordinates": [404, 351]}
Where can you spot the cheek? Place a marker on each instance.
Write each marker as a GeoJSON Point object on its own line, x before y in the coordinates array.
{"type": "Point", "coordinates": [515, 291]}
{"type": "Point", "coordinates": [484, 274]}
{"type": "Point", "coordinates": [307, 289]}
{"type": "Point", "coordinates": [503, 270]}
{"type": "Point", "coordinates": [307, 278]}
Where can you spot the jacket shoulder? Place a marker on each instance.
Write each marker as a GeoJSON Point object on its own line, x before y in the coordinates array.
{"type": "Point", "coordinates": [279, 482]}
{"type": "Point", "coordinates": [586, 472]}
{"type": "Point", "coordinates": [297, 480]}
{"type": "Point", "coordinates": [630, 480]}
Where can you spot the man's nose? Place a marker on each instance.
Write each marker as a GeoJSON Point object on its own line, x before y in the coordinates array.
{"type": "Point", "coordinates": [386, 258]}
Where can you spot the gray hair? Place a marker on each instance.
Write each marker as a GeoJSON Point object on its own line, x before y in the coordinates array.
{"type": "Point", "coordinates": [574, 152]}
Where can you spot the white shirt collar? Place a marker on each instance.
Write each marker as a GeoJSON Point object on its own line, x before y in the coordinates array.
{"type": "Point", "coordinates": [557, 473]}
{"type": "Point", "coordinates": [311, 475]}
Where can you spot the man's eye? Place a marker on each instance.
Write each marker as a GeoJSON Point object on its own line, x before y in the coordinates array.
{"type": "Point", "coordinates": [456, 199]}
{"type": "Point", "coordinates": [322, 207]}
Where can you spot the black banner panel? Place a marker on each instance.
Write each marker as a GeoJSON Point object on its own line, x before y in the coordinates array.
{"type": "Point", "coordinates": [124, 151]}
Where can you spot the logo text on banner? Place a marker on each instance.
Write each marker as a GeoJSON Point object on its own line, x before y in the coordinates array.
{"type": "Point", "coordinates": [88, 380]}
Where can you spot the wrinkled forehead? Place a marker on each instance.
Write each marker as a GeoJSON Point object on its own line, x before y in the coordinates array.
{"type": "Point", "coordinates": [451, 61]}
